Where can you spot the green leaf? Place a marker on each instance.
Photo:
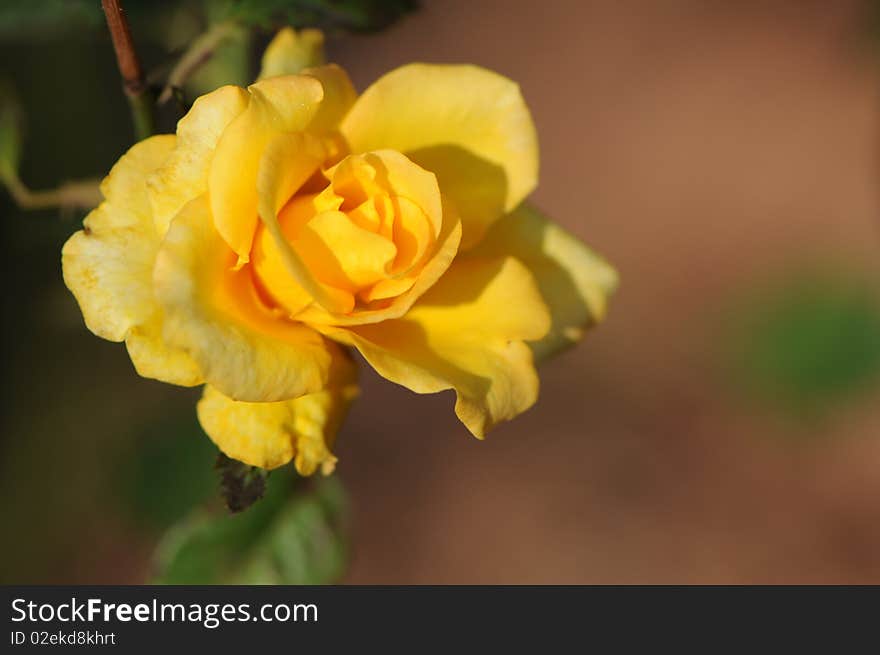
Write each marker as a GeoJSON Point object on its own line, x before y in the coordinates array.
{"type": "Point", "coordinates": [809, 345]}
{"type": "Point", "coordinates": [350, 15]}
{"type": "Point", "coordinates": [293, 536]}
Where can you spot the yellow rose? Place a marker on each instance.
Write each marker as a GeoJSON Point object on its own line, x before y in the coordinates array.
{"type": "Point", "coordinates": [292, 218]}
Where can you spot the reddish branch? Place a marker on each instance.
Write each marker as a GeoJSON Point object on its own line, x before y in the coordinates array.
{"type": "Point", "coordinates": [130, 68]}
{"type": "Point", "coordinates": [126, 57]}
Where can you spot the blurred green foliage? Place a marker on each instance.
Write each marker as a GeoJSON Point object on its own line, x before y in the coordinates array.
{"type": "Point", "coordinates": [809, 344]}
{"type": "Point", "coordinates": [168, 473]}
{"type": "Point", "coordinates": [295, 535]}
{"type": "Point", "coordinates": [349, 15]}
{"type": "Point", "coordinates": [46, 19]}
{"type": "Point", "coordinates": [230, 64]}
{"type": "Point", "coordinates": [23, 18]}
{"type": "Point", "coordinates": [57, 457]}
{"type": "Point", "coordinates": [11, 130]}
{"type": "Point", "coordinates": [20, 19]}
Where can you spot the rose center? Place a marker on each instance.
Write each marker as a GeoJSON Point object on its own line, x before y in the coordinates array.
{"type": "Point", "coordinates": [362, 234]}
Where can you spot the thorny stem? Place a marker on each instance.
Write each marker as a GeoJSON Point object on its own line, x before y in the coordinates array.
{"type": "Point", "coordinates": [200, 51]}
{"type": "Point", "coordinates": [134, 83]}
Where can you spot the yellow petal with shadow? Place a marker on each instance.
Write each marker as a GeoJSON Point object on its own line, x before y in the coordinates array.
{"type": "Point", "coordinates": [339, 96]}
{"type": "Point", "coordinates": [277, 105]}
{"type": "Point", "coordinates": [386, 307]}
{"type": "Point", "coordinates": [184, 175]}
{"type": "Point", "coordinates": [343, 255]}
{"type": "Point", "coordinates": [109, 265]}
{"type": "Point", "coordinates": [214, 312]}
{"type": "Point", "coordinates": [468, 125]}
{"type": "Point", "coordinates": [287, 163]}
{"type": "Point", "coordinates": [291, 50]}
{"type": "Point", "coordinates": [575, 282]}
{"type": "Point", "coordinates": [272, 434]}
{"type": "Point", "coordinates": [467, 333]}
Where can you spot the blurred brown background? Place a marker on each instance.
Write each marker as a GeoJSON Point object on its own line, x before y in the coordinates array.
{"type": "Point", "coordinates": [710, 150]}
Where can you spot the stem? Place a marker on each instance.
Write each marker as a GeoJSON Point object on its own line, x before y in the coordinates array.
{"type": "Point", "coordinates": [79, 194]}
{"type": "Point", "coordinates": [142, 115]}
{"type": "Point", "coordinates": [200, 51]}
{"type": "Point", "coordinates": [134, 84]}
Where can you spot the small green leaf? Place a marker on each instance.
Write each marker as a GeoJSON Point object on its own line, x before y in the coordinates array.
{"type": "Point", "coordinates": [293, 536]}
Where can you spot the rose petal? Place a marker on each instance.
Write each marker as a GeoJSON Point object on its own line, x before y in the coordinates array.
{"type": "Point", "coordinates": [109, 265]}
{"type": "Point", "coordinates": [214, 313]}
{"type": "Point", "coordinates": [184, 175]}
{"type": "Point", "coordinates": [269, 435]}
{"type": "Point", "coordinates": [574, 281]}
{"type": "Point", "coordinates": [277, 105]}
{"type": "Point", "coordinates": [290, 51]}
{"type": "Point", "coordinates": [467, 333]}
{"type": "Point", "coordinates": [468, 125]}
